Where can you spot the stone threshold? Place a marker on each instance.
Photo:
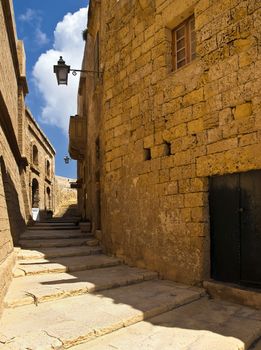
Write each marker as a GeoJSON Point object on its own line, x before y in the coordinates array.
{"type": "Point", "coordinates": [235, 293]}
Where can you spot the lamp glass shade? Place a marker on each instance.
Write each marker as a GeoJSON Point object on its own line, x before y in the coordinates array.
{"type": "Point", "coordinates": [66, 159]}
{"type": "Point", "coordinates": [61, 70]}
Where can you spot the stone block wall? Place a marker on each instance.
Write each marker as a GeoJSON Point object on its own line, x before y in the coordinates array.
{"type": "Point", "coordinates": [12, 213]}
{"type": "Point", "coordinates": [64, 194]}
{"type": "Point", "coordinates": [9, 62]}
{"type": "Point", "coordinates": [164, 133]}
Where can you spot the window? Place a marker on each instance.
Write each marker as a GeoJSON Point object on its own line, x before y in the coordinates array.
{"type": "Point", "coordinates": [48, 168]}
{"type": "Point", "coordinates": [35, 155]}
{"type": "Point", "coordinates": [184, 43]}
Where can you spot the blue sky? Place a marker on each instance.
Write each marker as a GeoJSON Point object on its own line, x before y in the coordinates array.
{"type": "Point", "coordinates": [51, 28]}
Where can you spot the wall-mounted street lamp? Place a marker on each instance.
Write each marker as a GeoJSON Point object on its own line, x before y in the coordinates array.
{"type": "Point", "coordinates": [66, 159]}
{"type": "Point", "coordinates": [62, 70]}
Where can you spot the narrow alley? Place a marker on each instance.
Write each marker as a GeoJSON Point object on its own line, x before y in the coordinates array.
{"type": "Point", "coordinates": [130, 175]}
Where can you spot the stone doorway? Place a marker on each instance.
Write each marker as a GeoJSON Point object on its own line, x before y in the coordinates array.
{"type": "Point", "coordinates": [235, 203]}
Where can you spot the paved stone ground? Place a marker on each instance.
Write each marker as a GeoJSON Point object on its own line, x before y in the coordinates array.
{"type": "Point", "coordinates": [70, 295]}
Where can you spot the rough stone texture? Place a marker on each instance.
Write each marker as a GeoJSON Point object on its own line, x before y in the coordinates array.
{"type": "Point", "coordinates": [64, 194]}
{"type": "Point", "coordinates": [24, 254]}
{"type": "Point", "coordinates": [65, 264]}
{"type": "Point", "coordinates": [202, 325]}
{"type": "Point", "coordinates": [66, 242]}
{"type": "Point", "coordinates": [12, 211]}
{"type": "Point", "coordinates": [43, 288]}
{"type": "Point", "coordinates": [198, 121]}
{"type": "Point", "coordinates": [226, 291]}
{"type": "Point", "coordinates": [81, 318]}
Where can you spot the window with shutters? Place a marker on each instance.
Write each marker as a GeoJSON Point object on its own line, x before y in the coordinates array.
{"type": "Point", "coordinates": [184, 43]}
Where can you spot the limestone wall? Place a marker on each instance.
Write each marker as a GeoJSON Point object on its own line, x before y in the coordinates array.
{"type": "Point", "coordinates": [9, 61]}
{"type": "Point", "coordinates": [64, 194]}
{"type": "Point", "coordinates": [12, 211]}
{"type": "Point", "coordinates": [198, 121]}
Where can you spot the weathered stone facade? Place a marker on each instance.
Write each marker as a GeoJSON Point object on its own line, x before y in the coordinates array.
{"type": "Point", "coordinates": [40, 154]}
{"type": "Point", "coordinates": [155, 136]}
{"type": "Point", "coordinates": [17, 129]}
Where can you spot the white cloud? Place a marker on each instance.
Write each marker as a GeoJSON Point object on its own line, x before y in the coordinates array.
{"type": "Point", "coordinates": [61, 101]}
{"type": "Point", "coordinates": [33, 19]}
{"type": "Point", "coordinates": [28, 16]}
{"type": "Point", "coordinates": [41, 37]}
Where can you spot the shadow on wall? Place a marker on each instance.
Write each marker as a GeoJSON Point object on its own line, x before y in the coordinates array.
{"type": "Point", "coordinates": [16, 219]}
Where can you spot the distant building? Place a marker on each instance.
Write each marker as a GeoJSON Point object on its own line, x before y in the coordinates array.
{"type": "Point", "coordinates": [26, 155]}
{"type": "Point", "coordinates": [65, 195]}
{"type": "Point", "coordinates": [41, 173]}
{"type": "Point", "coordinates": [169, 161]}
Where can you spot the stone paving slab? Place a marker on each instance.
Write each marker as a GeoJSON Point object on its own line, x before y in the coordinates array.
{"type": "Point", "coordinates": [42, 288]}
{"type": "Point", "coordinates": [50, 234]}
{"type": "Point", "coordinates": [202, 325]}
{"type": "Point", "coordinates": [24, 254]}
{"type": "Point", "coordinates": [52, 243]}
{"type": "Point", "coordinates": [71, 321]}
{"type": "Point", "coordinates": [66, 264]}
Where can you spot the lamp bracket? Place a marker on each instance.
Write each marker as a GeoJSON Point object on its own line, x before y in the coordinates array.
{"type": "Point", "coordinates": [74, 71]}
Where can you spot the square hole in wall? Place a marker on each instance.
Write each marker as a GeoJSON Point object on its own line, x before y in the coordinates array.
{"type": "Point", "coordinates": [167, 150]}
{"type": "Point", "coordinates": [147, 154]}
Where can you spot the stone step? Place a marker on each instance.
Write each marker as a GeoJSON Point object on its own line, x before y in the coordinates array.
{"type": "Point", "coordinates": [67, 322]}
{"type": "Point", "coordinates": [234, 293]}
{"type": "Point", "coordinates": [54, 234]}
{"type": "Point", "coordinates": [57, 227]}
{"type": "Point", "coordinates": [74, 219]}
{"type": "Point", "coordinates": [42, 288]}
{"type": "Point", "coordinates": [24, 254]}
{"type": "Point", "coordinates": [202, 325]}
{"type": "Point", "coordinates": [68, 264]}
{"type": "Point", "coordinates": [45, 243]}
{"type": "Point", "coordinates": [43, 223]}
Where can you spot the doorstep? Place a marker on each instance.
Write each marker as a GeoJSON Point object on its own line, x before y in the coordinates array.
{"type": "Point", "coordinates": [234, 293]}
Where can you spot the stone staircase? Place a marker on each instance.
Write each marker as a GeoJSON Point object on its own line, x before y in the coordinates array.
{"type": "Point", "coordinates": [67, 294]}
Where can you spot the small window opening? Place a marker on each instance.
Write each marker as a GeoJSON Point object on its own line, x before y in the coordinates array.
{"type": "Point", "coordinates": [184, 43]}
{"type": "Point", "coordinates": [97, 144]}
{"type": "Point", "coordinates": [167, 148]}
{"type": "Point", "coordinates": [147, 154]}
{"type": "Point", "coordinates": [48, 168]}
{"type": "Point", "coordinates": [35, 155]}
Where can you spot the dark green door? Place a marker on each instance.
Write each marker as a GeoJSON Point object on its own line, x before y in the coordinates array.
{"type": "Point", "coordinates": [235, 221]}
